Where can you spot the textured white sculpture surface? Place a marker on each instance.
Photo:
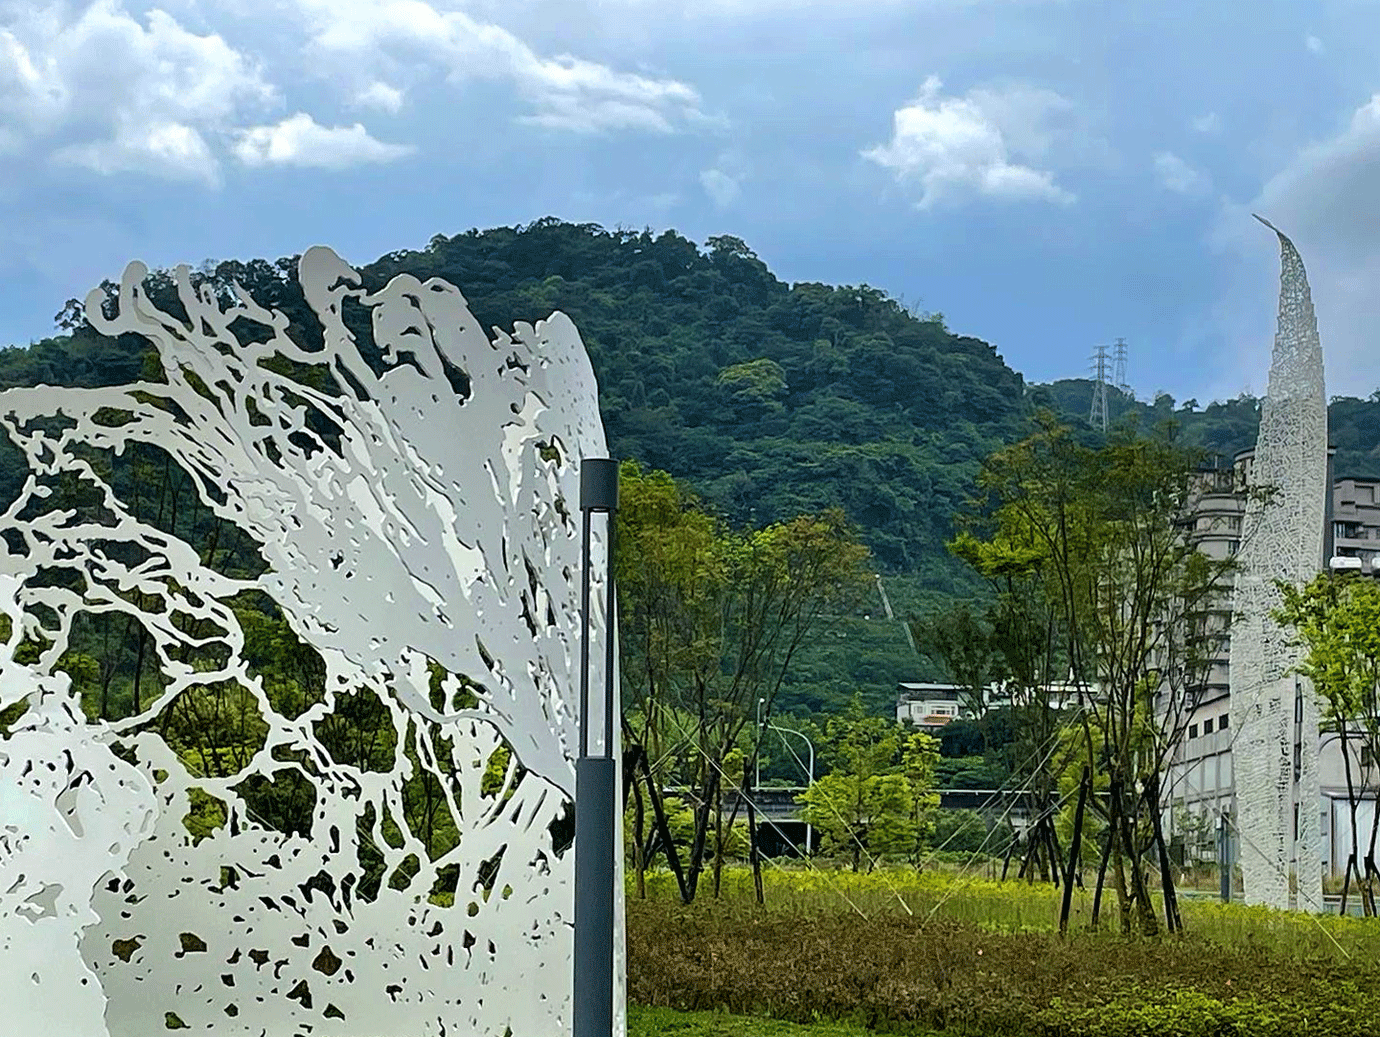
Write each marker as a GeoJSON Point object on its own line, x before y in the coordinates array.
{"type": "Point", "coordinates": [416, 515]}
{"type": "Point", "coordinates": [1281, 540]}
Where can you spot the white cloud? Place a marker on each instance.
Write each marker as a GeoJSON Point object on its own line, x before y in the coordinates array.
{"type": "Point", "coordinates": [566, 92]}
{"type": "Point", "coordinates": [1174, 174]}
{"type": "Point", "coordinates": [172, 150]}
{"type": "Point", "coordinates": [1207, 124]}
{"type": "Point", "coordinates": [382, 96]}
{"type": "Point", "coordinates": [723, 181]}
{"type": "Point", "coordinates": [101, 88]}
{"type": "Point", "coordinates": [300, 141]}
{"type": "Point", "coordinates": [1329, 187]}
{"type": "Point", "coordinates": [722, 189]}
{"type": "Point", "coordinates": [952, 146]}
{"type": "Point", "coordinates": [1313, 44]}
{"type": "Point", "coordinates": [1324, 200]}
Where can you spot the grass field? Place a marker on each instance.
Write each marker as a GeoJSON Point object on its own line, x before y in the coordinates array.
{"type": "Point", "coordinates": [652, 1022]}
{"type": "Point", "coordinates": [1014, 907]}
{"type": "Point", "coordinates": [900, 952]}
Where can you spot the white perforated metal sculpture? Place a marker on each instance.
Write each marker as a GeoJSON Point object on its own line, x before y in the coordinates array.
{"type": "Point", "coordinates": [1281, 539]}
{"type": "Point", "coordinates": [413, 506]}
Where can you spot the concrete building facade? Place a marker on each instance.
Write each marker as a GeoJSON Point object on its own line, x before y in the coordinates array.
{"type": "Point", "coordinates": [1202, 785]}
{"type": "Point", "coordinates": [1356, 521]}
{"type": "Point", "coordinates": [930, 706]}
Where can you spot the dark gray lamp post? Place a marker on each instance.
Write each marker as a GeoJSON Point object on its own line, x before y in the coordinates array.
{"type": "Point", "coordinates": [596, 783]}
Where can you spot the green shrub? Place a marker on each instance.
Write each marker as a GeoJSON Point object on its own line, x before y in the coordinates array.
{"type": "Point", "coordinates": [967, 831]}
{"type": "Point", "coordinates": [903, 953]}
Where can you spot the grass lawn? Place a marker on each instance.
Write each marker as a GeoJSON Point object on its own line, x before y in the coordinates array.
{"type": "Point", "coordinates": [650, 1022]}
{"type": "Point", "coordinates": [927, 953]}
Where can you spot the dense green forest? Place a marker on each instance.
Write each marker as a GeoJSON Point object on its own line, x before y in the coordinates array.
{"type": "Point", "coordinates": [768, 399]}
{"type": "Point", "coordinates": [1224, 427]}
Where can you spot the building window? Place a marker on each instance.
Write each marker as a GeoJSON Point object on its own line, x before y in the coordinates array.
{"type": "Point", "coordinates": [1192, 730]}
{"type": "Point", "coordinates": [1233, 546]}
{"type": "Point", "coordinates": [1222, 721]}
{"type": "Point", "coordinates": [1367, 758]}
{"type": "Point", "coordinates": [1207, 726]}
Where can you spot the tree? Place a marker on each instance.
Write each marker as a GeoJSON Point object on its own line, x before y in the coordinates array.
{"type": "Point", "coordinates": [1336, 618]}
{"type": "Point", "coordinates": [1019, 641]}
{"type": "Point", "coordinates": [710, 623]}
{"type": "Point", "coordinates": [754, 389]}
{"type": "Point", "coordinates": [71, 317]}
{"type": "Point", "coordinates": [1116, 590]}
{"type": "Point", "coordinates": [961, 641]}
{"type": "Point", "coordinates": [879, 798]}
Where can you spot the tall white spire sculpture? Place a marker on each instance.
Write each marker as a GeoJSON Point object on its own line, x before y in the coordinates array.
{"type": "Point", "coordinates": [1273, 710]}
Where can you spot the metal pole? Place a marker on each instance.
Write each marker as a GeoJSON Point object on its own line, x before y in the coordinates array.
{"type": "Point", "coordinates": [584, 637]}
{"type": "Point", "coordinates": [809, 829]}
{"type": "Point", "coordinates": [596, 786]}
{"type": "Point", "coordinates": [1224, 858]}
{"type": "Point", "coordinates": [610, 626]}
{"type": "Point", "coordinates": [757, 756]}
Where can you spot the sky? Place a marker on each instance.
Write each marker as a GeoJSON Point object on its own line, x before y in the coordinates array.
{"type": "Point", "coordinates": [1050, 175]}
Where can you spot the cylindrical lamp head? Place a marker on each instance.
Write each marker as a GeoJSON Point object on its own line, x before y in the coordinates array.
{"type": "Point", "coordinates": [598, 484]}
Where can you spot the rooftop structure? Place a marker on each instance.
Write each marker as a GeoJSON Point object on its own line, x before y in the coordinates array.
{"type": "Point", "coordinates": [931, 706]}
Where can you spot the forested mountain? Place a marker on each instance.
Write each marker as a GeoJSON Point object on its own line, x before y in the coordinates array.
{"type": "Point", "coordinates": [769, 399]}
{"type": "Point", "coordinates": [1223, 428]}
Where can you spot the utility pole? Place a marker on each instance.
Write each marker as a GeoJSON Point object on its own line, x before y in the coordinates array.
{"type": "Point", "coordinates": [596, 780]}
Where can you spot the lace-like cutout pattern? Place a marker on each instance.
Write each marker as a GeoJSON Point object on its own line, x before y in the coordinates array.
{"type": "Point", "coordinates": [1281, 540]}
{"type": "Point", "coordinates": [232, 857]}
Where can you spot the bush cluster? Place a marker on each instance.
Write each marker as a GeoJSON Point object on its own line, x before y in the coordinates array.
{"type": "Point", "coordinates": [900, 973]}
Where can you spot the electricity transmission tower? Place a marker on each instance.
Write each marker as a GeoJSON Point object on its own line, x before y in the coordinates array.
{"type": "Point", "coordinates": [1119, 375]}
{"type": "Point", "coordinates": [1097, 414]}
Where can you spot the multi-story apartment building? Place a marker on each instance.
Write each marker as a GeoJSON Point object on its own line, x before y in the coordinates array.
{"type": "Point", "coordinates": [1201, 784]}
{"type": "Point", "coordinates": [1356, 521]}
{"type": "Point", "coordinates": [1201, 779]}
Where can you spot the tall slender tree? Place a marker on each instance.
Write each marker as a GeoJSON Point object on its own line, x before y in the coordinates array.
{"type": "Point", "coordinates": [710, 622]}
{"type": "Point", "coordinates": [1103, 539]}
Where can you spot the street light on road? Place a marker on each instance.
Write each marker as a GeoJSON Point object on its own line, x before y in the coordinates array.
{"type": "Point", "coordinates": [762, 726]}
{"type": "Point", "coordinates": [810, 774]}
{"type": "Point", "coordinates": [757, 762]}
